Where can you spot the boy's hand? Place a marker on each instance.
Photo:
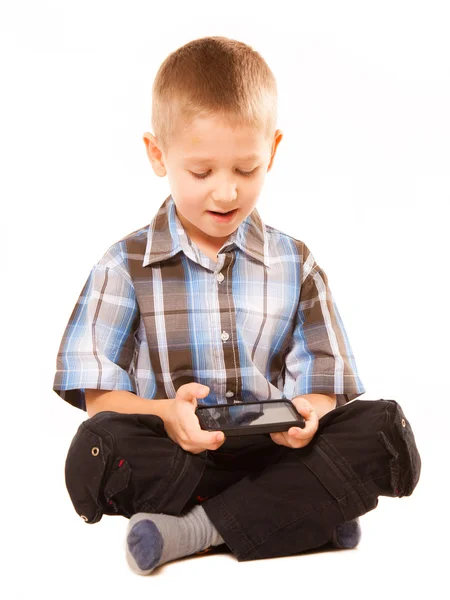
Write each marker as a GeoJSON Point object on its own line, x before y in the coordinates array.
{"type": "Point", "coordinates": [296, 437]}
{"type": "Point", "coordinates": [182, 425]}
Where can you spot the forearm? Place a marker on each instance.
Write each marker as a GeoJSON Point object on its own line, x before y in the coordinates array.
{"type": "Point", "coordinates": [123, 401]}
{"type": "Point", "coordinates": [322, 403]}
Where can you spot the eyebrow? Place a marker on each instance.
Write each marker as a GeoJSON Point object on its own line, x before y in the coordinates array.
{"type": "Point", "coordinates": [200, 160]}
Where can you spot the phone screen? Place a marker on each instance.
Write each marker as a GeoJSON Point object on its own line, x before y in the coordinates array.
{"type": "Point", "coordinates": [241, 414]}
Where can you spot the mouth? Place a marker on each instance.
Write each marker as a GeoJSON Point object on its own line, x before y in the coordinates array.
{"type": "Point", "coordinates": [223, 217]}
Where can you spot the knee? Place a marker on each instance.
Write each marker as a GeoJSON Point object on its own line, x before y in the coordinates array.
{"type": "Point", "coordinates": [122, 424]}
{"type": "Point", "coordinates": [97, 466]}
{"type": "Point", "coordinates": [85, 467]}
{"type": "Point", "coordinates": [375, 425]}
{"type": "Point", "coordinates": [105, 451]}
{"type": "Point", "coordinates": [357, 417]}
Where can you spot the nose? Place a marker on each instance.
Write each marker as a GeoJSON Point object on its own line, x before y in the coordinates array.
{"type": "Point", "coordinates": [225, 191]}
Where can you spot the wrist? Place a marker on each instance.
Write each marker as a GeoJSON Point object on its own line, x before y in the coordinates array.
{"type": "Point", "coordinates": [164, 408]}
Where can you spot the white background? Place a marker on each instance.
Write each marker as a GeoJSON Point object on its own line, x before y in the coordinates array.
{"type": "Point", "coordinates": [362, 176]}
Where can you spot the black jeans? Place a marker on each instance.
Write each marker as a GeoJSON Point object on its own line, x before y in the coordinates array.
{"type": "Point", "coordinates": [264, 499]}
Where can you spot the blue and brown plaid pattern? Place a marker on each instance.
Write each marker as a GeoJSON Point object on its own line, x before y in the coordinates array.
{"type": "Point", "coordinates": [155, 313]}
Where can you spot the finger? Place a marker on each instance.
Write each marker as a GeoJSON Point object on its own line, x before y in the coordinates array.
{"type": "Point", "coordinates": [295, 441]}
{"type": "Point", "coordinates": [301, 437]}
{"type": "Point", "coordinates": [300, 402]}
{"type": "Point", "coordinates": [205, 439]}
{"type": "Point", "coordinates": [197, 448]}
{"type": "Point", "coordinates": [307, 411]}
{"type": "Point", "coordinates": [279, 438]}
{"type": "Point", "coordinates": [275, 436]}
{"type": "Point", "coordinates": [305, 408]}
{"type": "Point", "coordinates": [312, 421]}
{"type": "Point", "coordinates": [191, 391]}
{"type": "Point", "coordinates": [283, 439]}
{"type": "Point", "coordinates": [306, 433]}
{"type": "Point", "coordinates": [202, 434]}
{"type": "Point", "coordinates": [215, 441]}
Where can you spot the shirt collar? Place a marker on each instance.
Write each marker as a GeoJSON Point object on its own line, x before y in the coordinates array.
{"type": "Point", "coordinates": [166, 236]}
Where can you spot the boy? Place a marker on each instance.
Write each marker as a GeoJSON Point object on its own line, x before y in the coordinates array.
{"type": "Point", "coordinates": [206, 302]}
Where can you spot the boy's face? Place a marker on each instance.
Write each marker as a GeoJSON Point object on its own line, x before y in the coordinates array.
{"type": "Point", "coordinates": [210, 148]}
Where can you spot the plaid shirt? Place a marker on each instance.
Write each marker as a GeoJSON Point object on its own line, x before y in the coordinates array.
{"type": "Point", "coordinates": [156, 313]}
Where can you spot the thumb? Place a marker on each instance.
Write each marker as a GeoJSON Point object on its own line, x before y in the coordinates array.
{"type": "Point", "coordinates": [305, 410]}
{"type": "Point", "coordinates": [303, 406]}
{"type": "Point", "coordinates": [192, 391]}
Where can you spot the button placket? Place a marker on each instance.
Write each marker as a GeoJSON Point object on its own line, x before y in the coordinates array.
{"type": "Point", "coordinates": [225, 304]}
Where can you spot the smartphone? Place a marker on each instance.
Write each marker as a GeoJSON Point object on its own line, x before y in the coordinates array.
{"type": "Point", "coordinates": [247, 418]}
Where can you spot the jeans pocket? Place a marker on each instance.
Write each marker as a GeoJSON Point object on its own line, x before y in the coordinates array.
{"type": "Point", "coordinates": [338, 477]}
{"type": "Point", "coordinates": [405, 462]}
{"type": "Point", "coordinates": [116, 491]}
{"type": "Point", "coordinates": [394, 467]}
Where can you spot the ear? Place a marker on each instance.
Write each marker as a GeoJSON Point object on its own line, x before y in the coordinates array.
{"type": "Point", "coordinates": [276, 140]}
{"type": "Point", "coordinates": [154, 154]}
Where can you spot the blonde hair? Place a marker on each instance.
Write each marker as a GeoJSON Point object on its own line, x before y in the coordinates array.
{"type": "Point", "coordinates": [213, 76]}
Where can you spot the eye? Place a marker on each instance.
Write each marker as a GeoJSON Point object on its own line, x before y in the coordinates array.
{"type": "Point", "coordinates": [205, 175]}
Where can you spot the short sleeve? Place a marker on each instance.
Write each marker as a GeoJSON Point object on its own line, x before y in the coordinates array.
{"type": "Point", "coordinates": [97, 350]}
{"type": "Point", "coordinates": [320, 359]}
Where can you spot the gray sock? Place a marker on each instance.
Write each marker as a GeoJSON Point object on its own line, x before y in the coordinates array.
{"type": "Point", "coordinates": [346, 535]}
{"type": "Point", "coordinates": [153, 539]}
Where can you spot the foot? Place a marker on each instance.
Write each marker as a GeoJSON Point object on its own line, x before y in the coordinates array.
{"type": "Point", "coordinates": [346, 535]}
{"type": "Point", "coordinates": [154, 539]}
{"type": "Point", "coordinates": [144, 546]}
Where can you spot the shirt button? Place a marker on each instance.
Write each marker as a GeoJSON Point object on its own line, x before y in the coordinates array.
{"type": "Point", "coordinates": [220, 277]}
{"type": "Point", "coordinates": [224, 336]}
{"type": "Point", "coordinates": [229, 394]}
